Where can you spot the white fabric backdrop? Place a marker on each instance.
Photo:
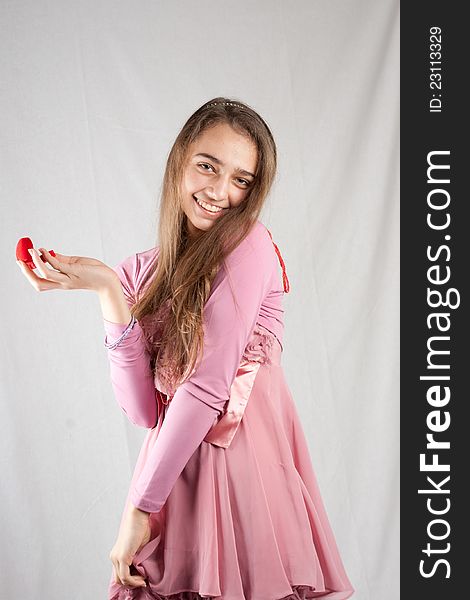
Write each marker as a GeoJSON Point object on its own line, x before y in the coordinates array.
{"type": "Point", "coordinates": [94, 94]}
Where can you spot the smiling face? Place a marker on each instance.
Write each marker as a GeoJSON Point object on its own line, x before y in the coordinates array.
{"type": "Point", "coordinates": [219, 173]}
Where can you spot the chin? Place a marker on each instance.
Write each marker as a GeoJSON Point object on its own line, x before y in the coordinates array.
{"type": "Point", "coordinates": [197, 227]}
{"type": "Point", "coordinates": [203, 225]}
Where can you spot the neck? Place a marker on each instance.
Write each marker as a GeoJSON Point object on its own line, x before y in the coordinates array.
{"type": "Point", "coordinates": [193, 232]}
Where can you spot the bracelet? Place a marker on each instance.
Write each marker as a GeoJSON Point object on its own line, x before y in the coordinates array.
{"type": "Point", "coordinates": [123, 335]}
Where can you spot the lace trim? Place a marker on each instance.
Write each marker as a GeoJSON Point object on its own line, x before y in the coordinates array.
{"type": "Point", "coordinates": [258, 349]}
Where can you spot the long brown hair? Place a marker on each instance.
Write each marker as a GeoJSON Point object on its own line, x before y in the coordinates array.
{"type": "Point", "coordinates": [170, 310]}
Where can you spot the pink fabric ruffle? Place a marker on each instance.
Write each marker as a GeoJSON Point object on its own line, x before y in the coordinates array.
{"type": "Point", "coordinates": [258, 349]}
{"type": "Point", "coordinates": [299, 592]}
{"type": "Point", "coordinates": [260, 345]}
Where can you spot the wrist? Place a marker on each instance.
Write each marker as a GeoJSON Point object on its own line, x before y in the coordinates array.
{"type": "Point", "coordinates": [138, 512]}
{"type": "Point", "coordinates": [113, 303]}
{"type": "Point", "coordinates": [111, 287]}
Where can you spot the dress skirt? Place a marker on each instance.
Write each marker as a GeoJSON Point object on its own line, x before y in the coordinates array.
{"type": "Point", "coordinates": [245, 519]}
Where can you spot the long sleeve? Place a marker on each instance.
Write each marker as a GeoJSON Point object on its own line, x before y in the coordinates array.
{"type": "Point", "coordinates": [130, 371]}
{"type": "Point", "coordinates": [228, 323]}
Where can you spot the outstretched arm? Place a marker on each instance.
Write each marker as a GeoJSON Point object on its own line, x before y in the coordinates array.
{"type": "Point", "coordinates": [228, 323]}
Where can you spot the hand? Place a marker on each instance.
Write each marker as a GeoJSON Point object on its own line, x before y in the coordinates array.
{"type": "Point", "coordinates": [134, 533]}
{"type": "Point", "coordinates": [68, 272]}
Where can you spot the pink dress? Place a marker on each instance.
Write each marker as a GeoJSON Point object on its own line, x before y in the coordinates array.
{"type": "Point", "coordinates": [224, 471]}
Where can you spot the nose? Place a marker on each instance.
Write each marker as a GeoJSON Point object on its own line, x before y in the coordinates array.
{"type": "Point", "coordinates": [218, 192]}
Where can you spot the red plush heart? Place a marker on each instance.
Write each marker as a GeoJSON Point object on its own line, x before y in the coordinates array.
{"type": "Point", "coordinates": [23, 254]}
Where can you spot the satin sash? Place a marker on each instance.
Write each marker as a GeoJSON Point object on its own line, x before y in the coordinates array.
{"type": "Point", "coordinates": [258, 351]}
{"type": "Point", "coordinates": [222, 431]}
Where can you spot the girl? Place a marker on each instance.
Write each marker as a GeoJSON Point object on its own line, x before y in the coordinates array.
{"type": "Point", "coordinates": [223, 502]}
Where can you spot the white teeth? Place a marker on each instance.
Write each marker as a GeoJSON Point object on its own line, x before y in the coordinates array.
{"type": "Point", "coordinates": [208, 207]}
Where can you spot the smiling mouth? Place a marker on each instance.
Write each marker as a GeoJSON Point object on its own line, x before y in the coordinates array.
{"type": "Point", "coordinates": [210, 208]}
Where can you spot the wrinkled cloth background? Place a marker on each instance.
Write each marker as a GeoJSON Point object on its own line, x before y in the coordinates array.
{"type": "Point", "coordinates": [93, 95]}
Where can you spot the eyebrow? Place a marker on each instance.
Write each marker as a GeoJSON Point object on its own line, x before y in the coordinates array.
{"type": "Point", "coordinates": [219, 162]}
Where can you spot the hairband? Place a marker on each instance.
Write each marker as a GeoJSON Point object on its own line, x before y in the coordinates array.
{"type": "Point", "coordinates": [226, 104]}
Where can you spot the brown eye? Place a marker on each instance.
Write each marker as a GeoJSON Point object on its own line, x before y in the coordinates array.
{"type": "Point", "coordinates": [205, 165]}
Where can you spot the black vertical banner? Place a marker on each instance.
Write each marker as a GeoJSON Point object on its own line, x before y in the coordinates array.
{"type": "Point", "coordinates": [435, 240]}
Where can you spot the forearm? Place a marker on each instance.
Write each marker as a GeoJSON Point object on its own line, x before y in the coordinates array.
{"type": "Point", "coordinates": [130, 372]}
{"type": "Point", "coordinates": [186, 423]}
{"type": "Point", "coordinates": [113, 303]}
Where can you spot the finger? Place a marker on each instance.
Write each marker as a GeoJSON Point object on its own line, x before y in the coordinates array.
{"type": "Point", "coordinates": [37, 262]}
{"type": "Point", "coordinates": [46, 273]}
{"type": "Point", "coordinates": [55, 262]}
{"type": "Point", "coordinates": [128, 579]}
{"type": "Point", "coordinates": [68, 260]}
{"type": "Point", "coordinates": [38, 283]}
{"type": "Point", "coordinates": [59, 259]}
{"type": "Point", "coordinates": [115, 575]}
